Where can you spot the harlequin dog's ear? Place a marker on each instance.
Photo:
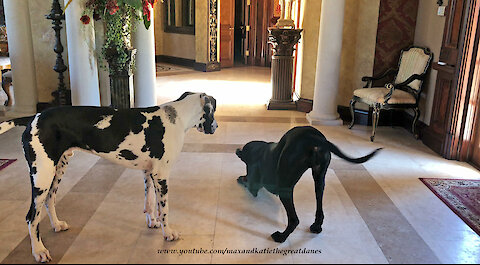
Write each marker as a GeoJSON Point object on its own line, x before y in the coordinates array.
{"type": "Point", "coordinates": [209, 103]}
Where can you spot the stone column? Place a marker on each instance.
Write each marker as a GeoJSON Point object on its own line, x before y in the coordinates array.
{"type": "Point", "coordinates": [283, 41]}
{"type": "Point", "coordinates": [20, 45]}
{"type": "Point", "coordinates": [81, 58]}
{"type": "Point", "coordinates": [145, 73]}
{"type": "Point", "coordinates": [328, 64]}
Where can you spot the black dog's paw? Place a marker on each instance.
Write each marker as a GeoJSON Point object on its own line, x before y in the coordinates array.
{"type": "Point", "coordinates": [242, 180]}
{"type": "Point", "coordinates": [279, 237]}
{"type": "Point", "coordinates": [254, 192]}
{"type": "Point", "coordinates": [316, 228]}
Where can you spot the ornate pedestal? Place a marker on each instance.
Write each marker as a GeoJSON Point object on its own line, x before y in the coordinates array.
{"type": "Point", "coordinates": [63, 95]}
{"type": "Point", "coordinates": [283, 41]}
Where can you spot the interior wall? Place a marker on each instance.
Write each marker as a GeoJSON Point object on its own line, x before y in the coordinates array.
{"type": "Point", "coordinates": [358, 47]}
{"type": "Point", "coordinates": [309, 46]}
{"type": "Point", "coordinates": [168, 43]}
{"type": "Point", "coordinates": [429, 33]}
{"type": "Point", "coordinates": [201, 31]}
{"type": "Point", "coordinates": [358, 51]}
{"type": "Point", "coordinates": [43, 43]}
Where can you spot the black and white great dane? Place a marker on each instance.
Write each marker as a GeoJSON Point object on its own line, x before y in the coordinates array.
{"type": "Point", "coordinates": [149, 139]}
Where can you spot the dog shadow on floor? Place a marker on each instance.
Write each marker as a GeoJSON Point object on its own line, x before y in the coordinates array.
{"type": "Point", "coordinates": [271, 205]}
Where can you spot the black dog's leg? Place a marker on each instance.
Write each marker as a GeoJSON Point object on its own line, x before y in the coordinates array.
{"type": "Point", "coordinates": [319, 177]}
{"type": "Point", "coordinates": [292, 219]}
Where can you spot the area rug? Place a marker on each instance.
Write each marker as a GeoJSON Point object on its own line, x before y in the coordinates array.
{"type": "Point", "coordinates": [6, 162]}
{"type": "Point", "coordinates": [168, 69]}
{"type": "Point", "coordinates": [462, 196]}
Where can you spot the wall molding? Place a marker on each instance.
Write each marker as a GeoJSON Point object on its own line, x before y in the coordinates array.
{"type": "Point", "coordinates": [397, 118]}
{"type": "Point", "coordinates": [175, 60]}
{"type": "Point", "coordinates": [304, 105]}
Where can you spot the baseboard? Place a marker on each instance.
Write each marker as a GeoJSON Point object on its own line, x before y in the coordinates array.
{"type": "Point", "coordinates": [175, 60]}
{"type": "Point", "coordinates": [362, 117]}
{"type": "Point", "coordinates": [304, 105]}
{"type": "Point", "coordinates": [397, 118]}
{"type": "Point", "coordinates": [41, 106]}
{"type": "Point", "coordinates": [207, 67]}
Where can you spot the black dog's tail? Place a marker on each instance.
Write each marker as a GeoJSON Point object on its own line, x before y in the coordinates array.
{"type": "Point", "coordinates": [5, 126]}
{"type": "Point", "coordinates": [334, 149]}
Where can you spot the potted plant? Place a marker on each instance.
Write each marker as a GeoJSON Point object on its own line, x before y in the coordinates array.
{"type": "Point", "coordinates": [120, 18]}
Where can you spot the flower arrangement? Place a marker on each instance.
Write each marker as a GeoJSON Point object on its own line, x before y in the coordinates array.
{"type": "Point", "coordinates": [120, 18]}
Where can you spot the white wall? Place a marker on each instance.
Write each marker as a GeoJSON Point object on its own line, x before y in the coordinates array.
{"type": "Point", "coordinates": [429, 33]}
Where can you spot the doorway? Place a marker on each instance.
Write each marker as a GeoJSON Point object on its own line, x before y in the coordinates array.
{"type": "Point", "coordinates": [244, 32]}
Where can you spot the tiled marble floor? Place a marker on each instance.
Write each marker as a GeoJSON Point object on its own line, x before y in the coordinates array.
{"type": "Point", "coordinates": [378, 212]}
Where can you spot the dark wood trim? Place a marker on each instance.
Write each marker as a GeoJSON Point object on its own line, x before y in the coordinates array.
{"type": "Point", "coordinates": [175, 60]}
{"type": "Point", "coordinates": [180, 30]}
{"type": "Point", "coordinates": [304, 105]}
{"type": "Point", "coordinates": [391, 117]}
{"type": "Point", "coordinates": [41, 106]}
{"type": "Point", "coordinates": [207, 67]}
{"type": "Point", "coordinates": [190, 30]}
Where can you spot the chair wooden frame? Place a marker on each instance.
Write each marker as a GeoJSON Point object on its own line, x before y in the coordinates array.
{"type": "Point", "coordinates": [377, 107]}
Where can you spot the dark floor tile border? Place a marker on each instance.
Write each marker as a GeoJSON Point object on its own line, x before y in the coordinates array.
{"type": "Point", "coordinates": [396, 237]}
{"type": "Point", "coordinates": [221, 118]}
{"type": "Point", "coordinates": [210, 148]}
{"type": "Point", "coordinates": [76, 208]}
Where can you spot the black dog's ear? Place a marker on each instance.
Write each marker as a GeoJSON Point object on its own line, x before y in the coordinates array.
{"type": "Point", "coordinates": [239, 153]}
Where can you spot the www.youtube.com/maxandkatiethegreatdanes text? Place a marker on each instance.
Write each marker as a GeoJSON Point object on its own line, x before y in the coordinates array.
{"type": "Point", "coordinates": [228, 251]}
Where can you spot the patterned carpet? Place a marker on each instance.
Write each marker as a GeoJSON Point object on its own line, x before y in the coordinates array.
{"type": "Point", "coordinates": [6, 162]}
{"type": "Point", "coordinates": [462, 196]}
{"type": "Point", "coordinates": [164, 69]}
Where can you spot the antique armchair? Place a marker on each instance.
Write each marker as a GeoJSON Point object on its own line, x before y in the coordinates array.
{"type": "Point", "coordinates": [403, 92]}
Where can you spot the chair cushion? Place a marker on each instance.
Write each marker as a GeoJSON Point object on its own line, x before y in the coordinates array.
{"type": "Point", "coordinates": [376, 95]}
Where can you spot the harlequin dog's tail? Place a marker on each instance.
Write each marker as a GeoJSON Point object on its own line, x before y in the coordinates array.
{"type": "Point", "coordinates": [5, 126]}
{"type": "Point", "coordinates": [334, 149]}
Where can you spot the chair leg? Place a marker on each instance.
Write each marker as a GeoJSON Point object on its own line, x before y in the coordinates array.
{"type": "Point", "coordinates": [352, 111]}
{"type": "Point", "coordinates": [414, 124]}
{"type": "Point", "coordinates": [376, 115]}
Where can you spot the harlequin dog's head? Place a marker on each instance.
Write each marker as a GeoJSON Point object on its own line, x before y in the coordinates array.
{"type": "Point", "coordinates": [208, 124]}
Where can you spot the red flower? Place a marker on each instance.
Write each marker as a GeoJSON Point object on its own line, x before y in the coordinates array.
{"type": "Point", "coordinates": [146, 10]}
{"type": "Point", "coordinates": [85, 19]}
{"type": "Point", "coordinates": [112, 7]}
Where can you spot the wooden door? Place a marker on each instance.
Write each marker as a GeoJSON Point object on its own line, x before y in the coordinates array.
{"type": "Point", "coordinates": [455, 110]}
{"type": "Point", "coordinates": [436, 135]}
{"type": "Point", "coordinates": [260, 18]}
{"type": "Point", "coordinates": [227, 34]}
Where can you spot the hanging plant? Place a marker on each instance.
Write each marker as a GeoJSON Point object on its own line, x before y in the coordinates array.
{"type": "Point", "coordinates": [120, 18]}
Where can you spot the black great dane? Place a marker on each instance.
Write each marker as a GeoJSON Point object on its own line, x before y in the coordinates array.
{"type": "Point", "coordinates": [279, 166]}
{"type": "Point", "coordinates": [149, 139]}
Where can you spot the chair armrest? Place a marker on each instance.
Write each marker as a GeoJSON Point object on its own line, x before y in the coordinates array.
{"type": "Point", "coordinates": [402, 86]}
{"type": "Point", "coordinates": [369, 79]}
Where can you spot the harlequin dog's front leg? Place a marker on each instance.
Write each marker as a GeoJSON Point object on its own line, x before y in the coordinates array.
{"type": "Point", "coordinates": [152, 217]}
{"type": "Point", "coordinates": [161, 190]}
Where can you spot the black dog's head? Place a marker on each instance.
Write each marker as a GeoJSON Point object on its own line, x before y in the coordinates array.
{"type": "Point", "coordinates": [250, 152]}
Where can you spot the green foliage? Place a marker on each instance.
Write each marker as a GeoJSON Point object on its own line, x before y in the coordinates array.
{"type": "Point", "coordinates": [120, 19]}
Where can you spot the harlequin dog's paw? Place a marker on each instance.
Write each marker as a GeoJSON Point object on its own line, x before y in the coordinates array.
{"type": "Point", "coordinates": [170, 234]}
{"type": "Point", "coordinates": [60, 226]}
{"type": "Point", "coordinates": [316, 228]}
{"type": "Point", "coordinates": [279, 237]}
{"type": "Point", "coordinates": [42, 255]}
{"type": "Point", "coordinates": [153, 223]}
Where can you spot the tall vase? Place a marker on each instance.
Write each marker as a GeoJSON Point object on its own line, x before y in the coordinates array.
{"type": "Point", "coordinates": [121, 83]}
